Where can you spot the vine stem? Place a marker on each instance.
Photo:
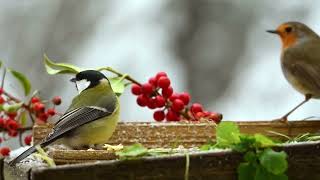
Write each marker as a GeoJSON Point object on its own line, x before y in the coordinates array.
{"type": "Point", "coordinates": [126, 76]}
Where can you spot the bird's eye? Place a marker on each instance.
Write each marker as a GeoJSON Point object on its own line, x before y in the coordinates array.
{"type": "Point", "coordinates": [288, 29]}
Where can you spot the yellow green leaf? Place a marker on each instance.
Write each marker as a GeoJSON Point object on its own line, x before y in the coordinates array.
{"type": "Point", "coordinates": [59, 68]}
{"type": "Point", "coordinates": [23, 80]}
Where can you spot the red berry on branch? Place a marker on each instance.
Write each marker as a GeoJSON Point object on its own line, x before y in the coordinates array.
{"type": "Point", "coordinates": [43, 117]}
{"type": "Point", "coordinates": [172, 116]}
{"type": "Point", "coordinates": [216, 117]}
{"type": "Point", "coordinates": [174, 96]}
{"type": "Point", "coordinates": [2, 123]}
{"type": "Point", "coordinates": [28, 139]}
{"type": "Point", "coordinates": [39, 107]}
{"type": "Point", "coordinates": [2, 100]}
{"type": "Point", "coordinates": [196, 107]}
{"type": "Point", "coordinates": [35, 99]}
{"type": "Point", "coordinates": [159, 115]}
{"type": "Point", "coordinates": [185, 97]}
{"type": "Point", "coordinates": [12, 133]}
{"type": "Point", "coordinates": [177, 105]}
{"type": "Point", "coordinates": [199, 115]}
{"type": "Point", "coordinates": [153, 81]}
{"type": "Point", "coordinates": [12, 124]}
{"type": "Point", "coordinates": [160, 101]}
{"type": "Point", "coordinates": [12, 115]}
{"type": "Point", "coordinates": [1, 90]}
{"type": "Point", "coordinates": [142, 100]}
{"type": "Point", "coordinates": [136, 89]}
{"type": "Point", "coordinates": [160, 74]}
{"type": "Point", "coordinates": [147, 89]}
{"type": "Point", "coordinates": [51, 112]}
{"type": "Point", "coordinates": [167, 92]}
{"type": "Point", "coordinates": [56, 100]}
{"type": "Point", "coordinates": [5, 151]}
{"type": "Point", "coordinates": [164, 82]}
{"type": "Point", "coordinates": [152, 104]}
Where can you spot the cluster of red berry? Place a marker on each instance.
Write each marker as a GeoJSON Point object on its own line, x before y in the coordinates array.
{"type": "Point", "coordinates": [11, 119]}
{"type": "Point", "coordinates": [158, 93]}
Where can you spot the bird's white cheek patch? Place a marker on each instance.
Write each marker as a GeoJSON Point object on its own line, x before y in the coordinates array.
{"type": "Point", "coordinates": [82, 85]}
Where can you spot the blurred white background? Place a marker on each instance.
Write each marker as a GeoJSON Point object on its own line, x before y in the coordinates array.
{"type": "Point", "coordinates": [217, 50]}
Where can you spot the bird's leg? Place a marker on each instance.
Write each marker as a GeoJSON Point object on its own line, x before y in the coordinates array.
{"type": "Point", "coordinates": [285, 117]}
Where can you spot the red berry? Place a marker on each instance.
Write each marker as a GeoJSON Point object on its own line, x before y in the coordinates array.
{"type": "Point", "coordinates": [136, 89]}
{"type": "Point", "coordinates": [216, 117]}
{"type": "Point", "coordinates": [173, 97]}
{"type": "Point", "coordinates": [172, 116]}
{"type": "Point", "coordinates": [196, 107]}
{"type": "Point", "coordinates": [167, 92]}
{"type": "Point", "coordinates": [160, 101]}
{"type": "Point", "coordinates": [142, 100]}
{"type": "Point", "coordinates": [206, 113]}
{"type": "Point", "coordinates": [12, 133]}
{"type": "Point", "coordinates": [152, 104]}
{"type": "Point", "coordinates": [160, 74]}
{"type": "Point", "coordinates": [2, 123]}
{"type": "Point", "coordinates": [11, 115]}
{"type": "Point", "coordinates": [199, 115]}
{"type": "Point", "coordinates": [56, 100]}
{"type": "Point", "coordinates": [185, 97]}
{"type": "Point", "coordinates": [28, 139]}
{"type": "Point", "coordinates": [39, 107]}
{"type": "Point", "coordinates": [35, 99]}
{"type": "Point", "coordinates": [2, 100]}
{"type": "Point", "coordinates": [164, 82]}
{"type": "Point", "coordinates": [12, 124]}
{"type": "Point", "coordinates": [158, 115]}
{"type": "Point", "coordinates": [147, 89]}
{"type": "Point", "coordinates": [51, 112]}
{"type": "Point", "coordinates": [1, 90]}
{"type": "Point", "coordinates": [43, 117]}
{"type": "Point", "coordinates": [153, 81]}
{"type": "Point", "coordinates": [177, 105]}
{"type": "Point", "coordinates": [5, 151]}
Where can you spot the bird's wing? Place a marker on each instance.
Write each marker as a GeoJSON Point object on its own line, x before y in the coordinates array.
{"type": "Point", "coordinates": [307, 74]}
{"type": "Point", "coordinates": [77, 117]}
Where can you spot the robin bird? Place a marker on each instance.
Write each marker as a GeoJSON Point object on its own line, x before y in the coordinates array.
{"type": "Point", "coordinates": [300, 60]}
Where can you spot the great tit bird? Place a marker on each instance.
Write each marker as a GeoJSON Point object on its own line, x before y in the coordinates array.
{"type": "Point", "coordinates": [91, 118]}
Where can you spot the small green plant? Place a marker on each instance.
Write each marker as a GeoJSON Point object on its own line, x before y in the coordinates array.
{"type": "Point", "coordinates": [261, 162]}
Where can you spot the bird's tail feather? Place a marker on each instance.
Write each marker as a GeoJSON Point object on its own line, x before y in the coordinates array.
{"type": "Point", "coordinates": [23, 155]}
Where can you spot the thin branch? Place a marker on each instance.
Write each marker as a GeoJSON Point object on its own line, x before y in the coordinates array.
{"type": "Point", "coordinates": [129, 78]}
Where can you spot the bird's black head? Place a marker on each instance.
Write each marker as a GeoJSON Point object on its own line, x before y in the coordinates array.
{"type": "Point", "coordinates": [92, 76]}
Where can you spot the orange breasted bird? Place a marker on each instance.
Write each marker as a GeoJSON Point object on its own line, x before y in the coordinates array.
{"type": "Point", "coordinates": [300, 60]}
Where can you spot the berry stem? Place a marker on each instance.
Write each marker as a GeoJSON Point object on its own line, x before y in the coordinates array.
{"type": "Point", "coordinates": [126, 76]}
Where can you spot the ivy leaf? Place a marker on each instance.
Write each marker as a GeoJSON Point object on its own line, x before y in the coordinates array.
{"type": "Point", "coordinates": [227, 134]}
{"type": "Point", "coordinates": [12, 107]}
{"type": "Point", "coordinates": [118, 85]}
{"type": "Point", "coordinates": [246, 171]}
{"type": "Point", "coordinates": [132, 151]}
{"type": "Point", "coordinates": [246, 142]}
{"type": "Point", "coordinates": [24, 81]}
{"type": "Point", "coordinates": [274, 162]}
{"type": "Point", "coordinates": [23, 118]}
{"type": "Point", "coordinates": [263, 141]}
{"type": "Point", "coordinates": [59, 68]}
{"type": "Point", "coordinates": [263, 174]}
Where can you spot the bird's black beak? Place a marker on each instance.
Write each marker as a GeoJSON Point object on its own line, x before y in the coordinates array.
{"type": "Point", "coordinates": [273, 31]}
{"type": "Point", "coordinates": [73, 80]}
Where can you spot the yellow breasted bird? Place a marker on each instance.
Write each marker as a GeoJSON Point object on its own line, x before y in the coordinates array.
{"type": "Point", "coordinates": [300, 60]}
{"type": "Point", "coordinates": [91, 118]}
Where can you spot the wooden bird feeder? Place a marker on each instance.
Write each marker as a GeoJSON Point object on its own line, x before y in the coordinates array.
{"type": "Point", "coordinates": [303, 158]}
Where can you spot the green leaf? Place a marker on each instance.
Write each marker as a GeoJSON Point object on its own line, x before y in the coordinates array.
{"type": "Point", "coordinates": [263, 141]}
{"type": "Point", "coordinates": [274, 162]}
{"type": "Point", "coordinates": [263, 174]}
{"type": "Point", "coordinates": [12, 107]}
{"type": "Point", "coordinates": [132, 151]}
{"type": "Point", "coordinates": [23, 118]}
{"type": "Point", "coordinates": [118, 85]}
{"type": "Point", "coordinates": [22, 79]}
{"type": "Point", "coordinates": [60, 68]}
{"type": "Point", "coordinates": [246, 171]}
{"type": "Point", "coordinates": [251, 157]}
{"type": "Point", "coordinates": [227, 134]}
{"type": "Point", "coordinates": [246, 143]}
